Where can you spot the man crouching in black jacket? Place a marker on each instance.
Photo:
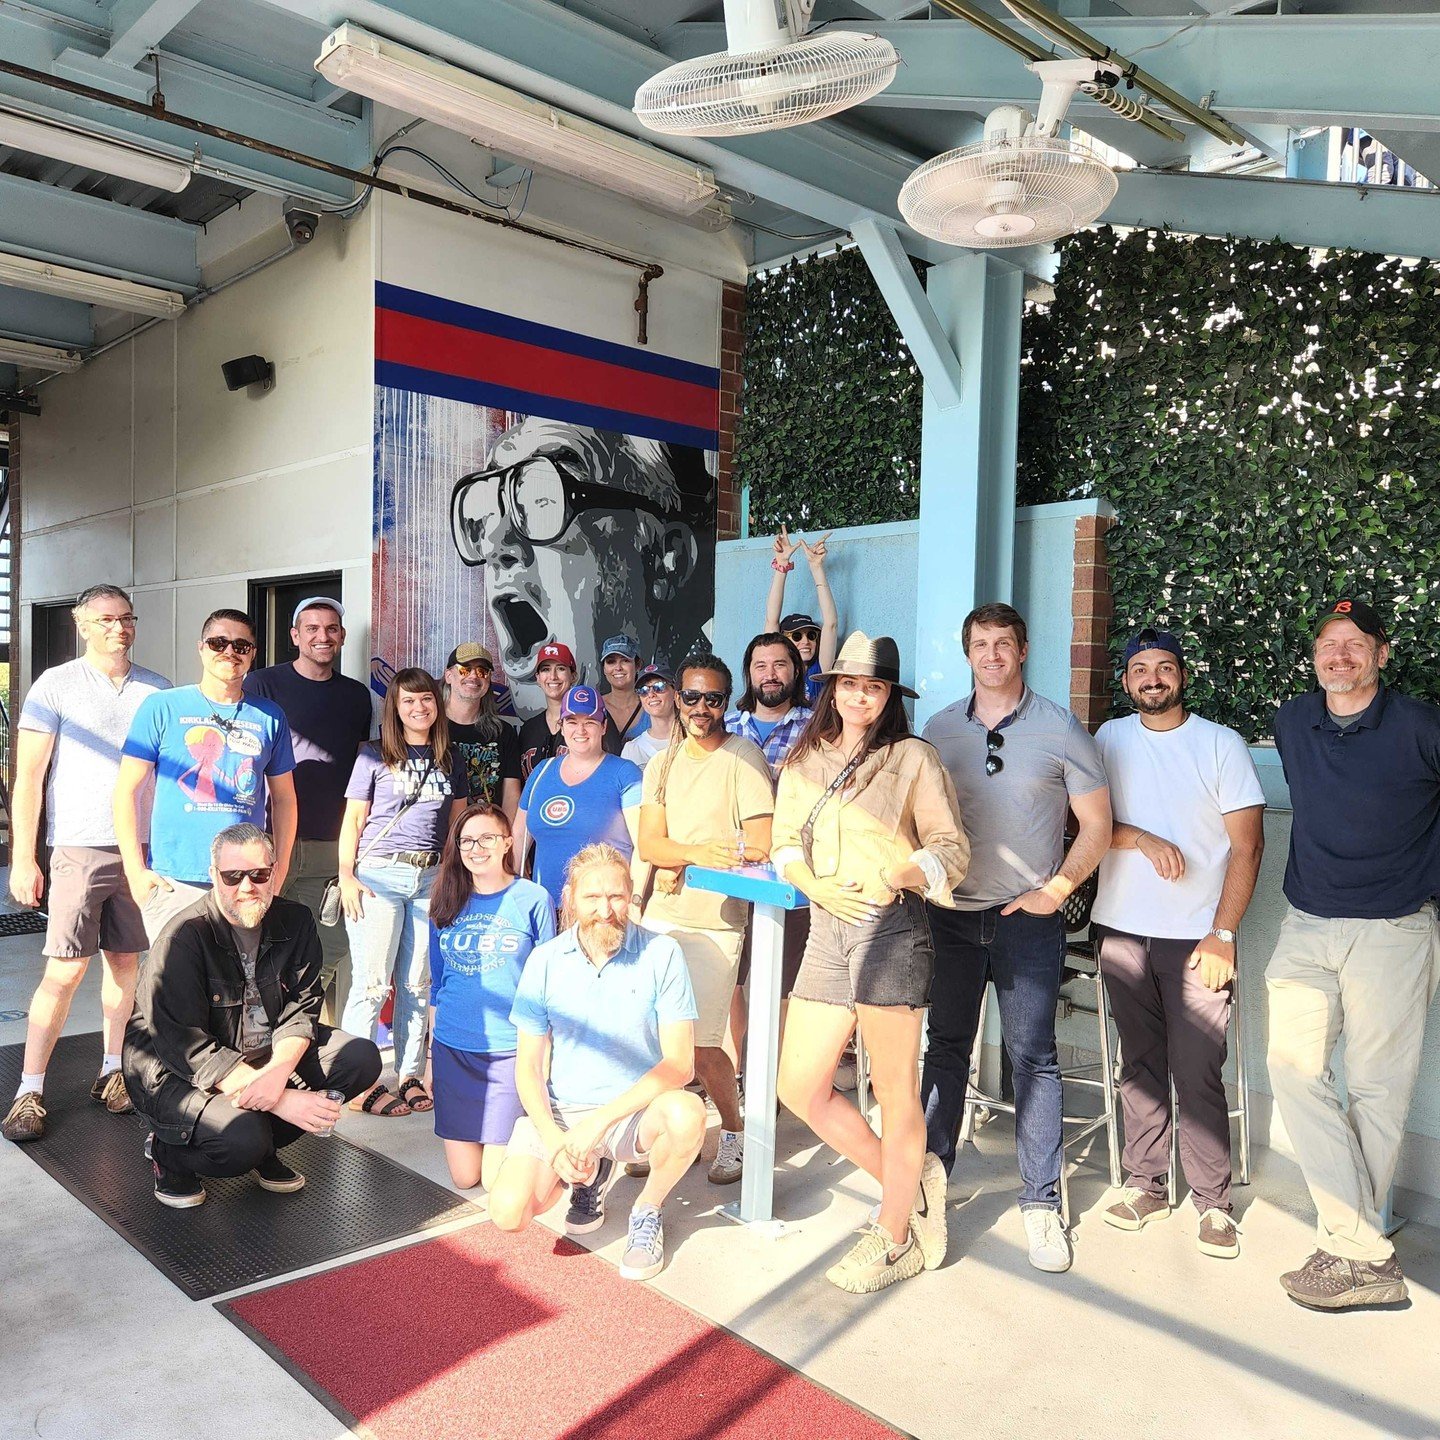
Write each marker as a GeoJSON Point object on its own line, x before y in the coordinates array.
{"type": "Point", "coordinates": [225, 1054]}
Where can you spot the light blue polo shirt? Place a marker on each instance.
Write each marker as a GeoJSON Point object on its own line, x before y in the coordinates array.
{"type": "Point", "coordinates": [604, 1024]}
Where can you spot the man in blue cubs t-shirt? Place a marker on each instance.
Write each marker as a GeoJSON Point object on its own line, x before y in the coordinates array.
{"type": "Point", "coordinates": [215, 754]}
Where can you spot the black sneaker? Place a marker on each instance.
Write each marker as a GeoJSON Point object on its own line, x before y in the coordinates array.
{"type": "Point", "coordinates": [179, 1192]}
{"type": "Point", "coordinates": [587, 1202]}
{"type": "Point", "coordinates": [274, 1174]}
{"type": "Point", "coordinates": [1326, 1282]}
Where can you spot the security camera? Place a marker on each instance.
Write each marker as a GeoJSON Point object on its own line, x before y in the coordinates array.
{"type": "Point", "coordinates": [300, 222]}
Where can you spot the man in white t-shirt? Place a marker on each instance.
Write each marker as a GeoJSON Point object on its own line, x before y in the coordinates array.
{"type": "Point", "coordinates": [1173, 886]}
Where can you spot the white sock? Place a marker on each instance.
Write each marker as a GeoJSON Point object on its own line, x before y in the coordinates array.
{"type": "Point", "coordinates": [110, 1066]}
{"type": "Point", "coordinates": [28, 1083]}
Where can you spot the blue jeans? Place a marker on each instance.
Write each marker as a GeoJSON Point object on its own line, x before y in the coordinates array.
{"type": "Point", "coordinates": [392, 937]}
{"type": "Point", "coordinates": [1023, 955]}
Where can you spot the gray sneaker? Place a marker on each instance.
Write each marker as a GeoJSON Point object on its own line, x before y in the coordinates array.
{"type": "Point", "coordinates": [1218, 1236]}
{"type": "Point", "coordinates": [1326, 1282]}
{"type": "Point", "coordinates": [645, 1248]}
{"type": "Point", "coordinates": [729, 1161]}
{"type": "Point", "coordinates": [1136, 1208]}
{"type": "Point", "coordinates": [587, 1202]}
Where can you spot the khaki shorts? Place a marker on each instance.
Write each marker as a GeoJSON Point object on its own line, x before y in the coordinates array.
{"type": "Point", "coordinates": [713, 959]}
{"type": "Point", "coordinates": [621, 1142]}
{"type": "Point", "coordinates": [90, 906]}
{"type": "Point", "coordinates": [162, 906]}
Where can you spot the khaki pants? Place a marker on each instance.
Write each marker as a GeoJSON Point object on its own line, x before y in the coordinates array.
{"type": "Point", "coordinates": [1370, 983]}
{"type": "Point", "coordinates": [312, 865]}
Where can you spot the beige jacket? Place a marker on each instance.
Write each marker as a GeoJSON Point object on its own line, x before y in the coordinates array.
{"type": "Point", "coordinates": [897, 807]}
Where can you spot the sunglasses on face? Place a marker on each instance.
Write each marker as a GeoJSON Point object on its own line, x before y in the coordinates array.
{"type": "Point", "coordinates": [652, 687]}
{"type": "Point", "coordinates": [221, 643]}
{"type": "Point", "coordinates": [478, 667]}
{"type": "Point", "coordinates": [994, 741]}
{"type": "Point", "coordinates": [796, 636]}
{"type": "Point", "coordinates": [470, 843]}
{"type": "Point", "coordinates": [711, 699]}
{"type": "Point", "coordinates": [259, 876]}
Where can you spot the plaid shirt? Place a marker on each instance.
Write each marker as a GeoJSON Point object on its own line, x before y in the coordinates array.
{"type": "Point", "coordinates": [777, 745]}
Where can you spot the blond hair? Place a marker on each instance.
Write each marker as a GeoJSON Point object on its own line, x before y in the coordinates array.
{"type": "Point", "coordinates": [598, 856]}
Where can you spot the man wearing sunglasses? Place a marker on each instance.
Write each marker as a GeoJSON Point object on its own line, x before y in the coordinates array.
{"type": "Point", "coordinates": [584, 534]}
{"type": "Point", "coordinates": [1019, 762]}
{"type": "Point", "coordinates": [488, 745]}
{"type": "Point", "coordinates": [226, 1054]}
{"type": "Point", "coordinates": [216, 755]}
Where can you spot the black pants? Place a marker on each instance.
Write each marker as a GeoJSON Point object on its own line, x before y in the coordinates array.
{"type": "Point", "coordinates": [227, 1141]}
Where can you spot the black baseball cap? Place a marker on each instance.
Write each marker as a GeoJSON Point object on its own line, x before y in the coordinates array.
{"type": "Point", "coordinates": [1362, 615]}
{"type": "Point", "coordinates": [798, 622]}
{"type": "Point", "coordinates": [1152, 639]}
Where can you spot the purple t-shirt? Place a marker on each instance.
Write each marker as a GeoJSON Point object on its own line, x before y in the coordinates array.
{"type": "Point", "coordinates": [425, 823]}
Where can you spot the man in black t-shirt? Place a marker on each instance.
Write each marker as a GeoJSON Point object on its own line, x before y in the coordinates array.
{"type": "Point", "coordinates": [540, 735]}
{"type": "Point", "coordinates": [487, 743]}
{"type": "Point", "coordinates": [329, 717]}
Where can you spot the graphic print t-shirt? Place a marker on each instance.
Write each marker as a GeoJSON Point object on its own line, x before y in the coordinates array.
{"type": "Point", "coordinates": [488, 763]}
{"type": "Point", "coordinates": [563, 819]}
{"type": "Point", "coordinates": [475, 965]}
{"type": "Point", "coordinates": [254, 1022]}
{"type": "Point", "coordinates": [211, 762]}
{"type": "Point", "coordinates": [426, 820]}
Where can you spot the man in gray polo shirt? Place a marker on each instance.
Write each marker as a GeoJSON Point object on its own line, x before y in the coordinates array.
{"type": "Point", "coordinates": [1018, 761]}
{"type": "Point", "coordinates": [68, 741]}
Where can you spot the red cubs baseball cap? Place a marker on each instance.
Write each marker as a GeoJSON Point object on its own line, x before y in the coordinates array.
{"type": "Point", "coordinates": [555, 653]}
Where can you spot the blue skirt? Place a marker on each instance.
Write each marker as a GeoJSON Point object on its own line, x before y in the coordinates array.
{"type": "Point", "coordinates": [475, 1095]}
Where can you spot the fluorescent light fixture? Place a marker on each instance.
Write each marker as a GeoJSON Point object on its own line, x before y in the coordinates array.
{"type": "Point", "coordinates": [47, 278]}
{"type": "Point", "coordinates": [79, 147]}
{"type": "Point", "coordinates": [29, 356]}
{"type": "Point", "coordinates": [504, 120]}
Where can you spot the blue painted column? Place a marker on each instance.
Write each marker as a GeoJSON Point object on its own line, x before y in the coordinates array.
{"type": "Point", "coordinates": [967, 470]}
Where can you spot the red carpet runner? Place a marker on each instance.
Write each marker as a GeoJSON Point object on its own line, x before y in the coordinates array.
{"type": "Point", "coordinates": [479, 1335]}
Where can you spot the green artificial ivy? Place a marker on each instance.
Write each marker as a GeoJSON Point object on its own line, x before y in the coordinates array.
{"type": "Point", "coordinates": [1266, 422]}
{"type": "Point", "coordinates": [829, 429]}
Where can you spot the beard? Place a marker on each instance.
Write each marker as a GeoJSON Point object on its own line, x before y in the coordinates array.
{"type": "Point", "coordinates": [771, 692]}
{"type": "Point", "coordinates": [700, 725]}
{"type": "Point", "coordinates": [1364, 680]}
{"type": "Point", "coordinates": [601, 937]}
{"type": "Point", "coordinates": [247, 914]}
{"type": "Point", "coordinates": [1158, 704]}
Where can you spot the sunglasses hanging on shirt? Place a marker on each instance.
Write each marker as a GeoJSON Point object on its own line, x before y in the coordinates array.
{"type": "Point", "coordinates": [994, 742]}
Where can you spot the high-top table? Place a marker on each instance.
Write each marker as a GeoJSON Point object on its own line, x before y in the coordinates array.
{"type": "Point", "coordinates": [770, 897]}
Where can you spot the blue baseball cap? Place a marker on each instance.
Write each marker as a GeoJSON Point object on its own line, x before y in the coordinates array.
{"type": "Point", "coordinates": [619, 645]}
{"type": "Point", "coordinates": [1152, 639]}
{"type": "Point", "coordinates": [583, 703]}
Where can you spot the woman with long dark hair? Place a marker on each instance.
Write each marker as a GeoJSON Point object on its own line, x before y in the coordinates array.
{"type": "Point", "coordinates": [867, 826]}
{"type": "Point", "coordinates": [484, 922]}
{"type": "Point", "coordinates": [402, 794]}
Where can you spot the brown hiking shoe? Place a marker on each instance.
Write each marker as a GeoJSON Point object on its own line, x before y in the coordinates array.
{"type": "Point", "coordinates": [1326, 1282]}
{"type": "Point", "coordinates": [1136, 1208]}
{"type": "Point", "coordinates": [109, 1091]}
{"type": "Point", "coordinates": [1218, 1236]}
{"type": "Point", "coordinates": [26, 1120]}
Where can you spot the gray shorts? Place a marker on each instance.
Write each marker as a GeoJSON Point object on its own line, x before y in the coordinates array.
{"type": "Point", "coordinates": [621, 1142]}
{"type": "Point", "coordinates": [162, 906]}
{"type": "Point", "coordinates": [90, 906]}
{"type": "Point", "coordinates": [886, 961]}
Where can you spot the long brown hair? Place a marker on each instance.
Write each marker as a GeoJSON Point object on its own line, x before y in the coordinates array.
{"type": "Point", "coordinates": [891, 724]}
{"type": "Point", "coordinates": [453, 882]}
{"type": "Point", "coordinates": [393, 751]}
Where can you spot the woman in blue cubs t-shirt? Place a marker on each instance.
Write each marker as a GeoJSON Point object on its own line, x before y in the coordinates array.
{"type": "Point", "coordinates": [579, 798]}
{"type": "Point", "coordinates": [484, 922]}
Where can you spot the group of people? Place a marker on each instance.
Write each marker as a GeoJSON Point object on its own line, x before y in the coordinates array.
{"type": "Point", "coordinates": [562, 992]}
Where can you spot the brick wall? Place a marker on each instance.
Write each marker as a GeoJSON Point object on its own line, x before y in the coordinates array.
{"type": "Point", "coordinates": [1092, 608]}
{"type": "Point", "coordinates": [732, 331]}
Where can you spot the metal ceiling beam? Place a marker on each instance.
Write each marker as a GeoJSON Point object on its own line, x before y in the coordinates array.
{"type": "Point", "coordinates": [1300, 212]}
{"type": "Point", "coordinates": [138, 26]}
{"type": "Point", "coordinates": [47, 223]}
{"type": "Point", "coordinates": [45, 319]}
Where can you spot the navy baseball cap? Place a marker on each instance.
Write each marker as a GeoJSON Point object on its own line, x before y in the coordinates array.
{"type": "Point", "coordinates": [798, 622]}
{"type": "Point", "coordinates": [620, 645]}
{"type": "Point", "coordinates": [1357, 611]}
{"type": "Point", "coordinates": [1152, 639]}
{"type": "Point", "coordinates": [581, 702]}
{"type": "Point", "coordinates": [655, 670]}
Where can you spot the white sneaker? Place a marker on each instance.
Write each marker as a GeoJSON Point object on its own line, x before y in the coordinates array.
{"type": "Point", "coordinates": [845, 1075]}
{"type": "Point", "coordinates": [1049, 1244]}
{"type": "Point", "coordinates": [728, 1164]}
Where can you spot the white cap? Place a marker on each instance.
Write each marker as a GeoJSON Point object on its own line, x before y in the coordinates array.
{"type": "Point", "coordinates": [310, 602]}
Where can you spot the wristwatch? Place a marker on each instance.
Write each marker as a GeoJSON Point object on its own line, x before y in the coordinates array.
{"type": "Point", "coordinates": [1228, 936]}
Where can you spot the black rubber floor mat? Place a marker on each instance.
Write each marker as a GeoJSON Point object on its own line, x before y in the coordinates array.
{"type": "Point", "coordinates": [242, 1234]}
{"type": "Point", "coordinates": [25, 922]}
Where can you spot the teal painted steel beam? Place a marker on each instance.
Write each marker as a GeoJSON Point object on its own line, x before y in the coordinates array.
{"type": "Point", "coordinates": [47, 223]}
{"type": "Point", "coordinates": [967, 470]}
{"type": "Point", "coordinates": [1288, 70]}
{"type": "Point", "coordinates": [138, 26]}
{"type": "Point", "coordinates": [45, 319]}
{"type": "Point", "coordinates": [1380, 218]}
{"type": "Point", "coordinates": [919, 325]}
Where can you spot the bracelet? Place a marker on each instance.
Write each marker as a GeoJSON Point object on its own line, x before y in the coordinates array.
{"type": "Point", "coordinates": [891, 888]}
{"type": "Point", "coordinates": [783, 566]}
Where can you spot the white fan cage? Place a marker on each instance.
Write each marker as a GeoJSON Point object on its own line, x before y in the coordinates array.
{"type": "Point", "coordinates": [767, 89]}
{"type": "Point", "coordinates": [1005, 192]}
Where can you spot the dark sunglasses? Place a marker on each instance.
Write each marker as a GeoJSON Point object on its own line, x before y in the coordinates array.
{"type": "Point", "coordinates": [994, 741]}
{"type": "Point", "coordinates": [796, 636]}
{"type": "Point", "coordinates": [712, 699]}
{"type": "Point", "coordinates": [219, 643]}
{"type": "Point", "coordinates": [259, 876]}
{"type": "Point", "coordinates": [652, 687]}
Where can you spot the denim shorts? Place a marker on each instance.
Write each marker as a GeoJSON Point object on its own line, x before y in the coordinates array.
{"type": "Point", "coordinates": [886, 961]}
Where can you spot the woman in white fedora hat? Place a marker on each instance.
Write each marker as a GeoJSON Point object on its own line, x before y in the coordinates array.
{"type": "Point", "coordinates": [867, 827]}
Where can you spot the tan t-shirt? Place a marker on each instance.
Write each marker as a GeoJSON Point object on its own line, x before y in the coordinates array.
{"type": "Point", "coordinates": [708, 798]}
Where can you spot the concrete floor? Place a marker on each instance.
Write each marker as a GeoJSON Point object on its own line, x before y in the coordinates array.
{"type": "Point", "coordinates": [1145, 1335]}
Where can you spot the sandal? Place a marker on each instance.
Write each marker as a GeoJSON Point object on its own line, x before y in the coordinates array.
{"type": "Point", "coordinates": [419, 1103]}
{"type": "Point", "coordinates": [380, 1101]}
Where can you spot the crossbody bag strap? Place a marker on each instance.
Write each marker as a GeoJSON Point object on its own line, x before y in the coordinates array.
{"type": "Point", "coordinates": [404, 806]}
{"type": "Point", "coordinates": [807, 830]}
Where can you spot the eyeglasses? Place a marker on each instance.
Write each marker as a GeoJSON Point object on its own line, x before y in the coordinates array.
{"type": "Point", "coordinates": [259, 876]}
{"type": "Point", "coordinates": [539, 496]}
{"type": "Point", "coordinates": [113, 622]}
{"type": "Point", "coordinates": [711, 699]}
{"type": "Point", "coordinates": [477, 667]}
{"type": "Point", "coordinates": [652, 687]}
{"type": "Point", "coordinates": [994, 741]}
{"type": "Point", "coordinates": [469, 843]}
{"type": "Point", "coordinates": [809, 633]}
{"type": "Point", "coordinates": [220, 643]}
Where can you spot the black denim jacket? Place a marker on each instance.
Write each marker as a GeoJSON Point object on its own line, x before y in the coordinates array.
{"type": "Point", "coordinates": [184, 1034]}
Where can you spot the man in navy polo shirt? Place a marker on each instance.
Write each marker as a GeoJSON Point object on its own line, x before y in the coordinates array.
{"type": "Point", "coordinates": [1358, 957]}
